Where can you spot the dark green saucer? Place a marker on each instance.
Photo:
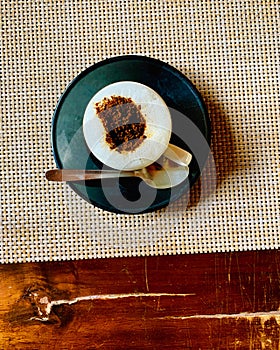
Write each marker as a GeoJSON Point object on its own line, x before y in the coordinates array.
{"type": "Point", "coordinates": [190, 130]}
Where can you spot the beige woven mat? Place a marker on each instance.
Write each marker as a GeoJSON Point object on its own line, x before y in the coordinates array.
{"type": "Point", "coordinates": [229, 49]}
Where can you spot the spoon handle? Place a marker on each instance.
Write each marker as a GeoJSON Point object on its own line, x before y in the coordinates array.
{"type": "Point", "coordinates": [61, 175]}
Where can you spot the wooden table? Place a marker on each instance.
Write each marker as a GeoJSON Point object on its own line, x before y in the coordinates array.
{"type": "Point", "coordinates": [208, 301]}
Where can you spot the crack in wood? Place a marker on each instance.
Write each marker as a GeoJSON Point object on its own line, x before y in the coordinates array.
{"type": "Point", "coordinates": [45, 306]}
{"type": "Point", "coordinates": [248, 315]}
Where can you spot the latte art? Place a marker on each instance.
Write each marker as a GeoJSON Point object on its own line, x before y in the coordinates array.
{"type": "Point", "coordinates": [123, 122]}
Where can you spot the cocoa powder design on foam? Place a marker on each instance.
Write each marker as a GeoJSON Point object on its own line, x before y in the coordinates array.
{"type": "Point", "coordinates": [123, 122]}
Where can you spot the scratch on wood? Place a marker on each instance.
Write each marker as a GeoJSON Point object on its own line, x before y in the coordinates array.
{"type": "Point", "coordinates": [229, 269]}
{"type": "Point", "coordinates": [146, 275]}
{"type": "Point", "coordinates": [45, 306]}
{"type": "Point", "coordinates": [242, 288]}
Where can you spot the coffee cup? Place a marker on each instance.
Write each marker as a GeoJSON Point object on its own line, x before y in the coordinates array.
{"type": "Point", "coordinates": [127, 125]}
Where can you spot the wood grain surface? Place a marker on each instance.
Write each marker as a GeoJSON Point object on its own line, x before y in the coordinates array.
{"type": "Point", "coordinates": [209, 301]}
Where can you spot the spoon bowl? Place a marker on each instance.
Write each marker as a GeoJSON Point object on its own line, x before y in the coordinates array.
{"type": "Point", "coordinates": [177, 155]}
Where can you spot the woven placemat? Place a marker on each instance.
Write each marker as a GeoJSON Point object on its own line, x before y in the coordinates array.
{"type": "Point", "coordinates": [228, 49]}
